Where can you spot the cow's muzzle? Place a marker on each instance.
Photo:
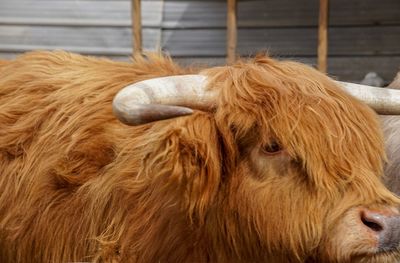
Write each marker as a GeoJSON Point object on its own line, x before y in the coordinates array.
{"type": "Point", "coordinates": [385, 225]}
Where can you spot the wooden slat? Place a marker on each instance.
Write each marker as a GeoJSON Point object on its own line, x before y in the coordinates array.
{"type": "Point", "coordinates": [101, 1]}
{"type": "Point", "coordinates": [285, 41]}
{"type": "Point", "coordinates": [65, 22]}
{"type": "Point", "coordinates": [137, 26]}
{"type": "Point", "coordinates": [355, 68]}
{"type": "Point", "coordinates": [116, 41]}
{"type": "Point", "coordinates": [201, 61]}
{"type": "Point", "coordinates": [231, 33]}
{"type": "Point", "coordinates": [77, 13]}
{"type": "Point", "coordinates": [279, 13]}
{"type": "Point", "coordinates": [127, 58]}
{"type": "Point", "coordinates": [8, 55]}
{"type": "Point", "coordinates": [344, 68]}
{"type": "Point", "coordinates": [100, 51]}
{"type": "Point", "coordinates": [295, 42]}
{"type": "Point", "coordinates": [323, 35]}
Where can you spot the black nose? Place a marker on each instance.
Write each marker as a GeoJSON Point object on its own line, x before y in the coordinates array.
{"type": "Point", "coordinates": [385, 225]}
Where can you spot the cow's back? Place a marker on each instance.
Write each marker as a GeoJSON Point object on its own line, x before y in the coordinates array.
{"type": "Point", "coordinates": [58, 135]}
{"type": "Point", "coordinates": [53, 106]}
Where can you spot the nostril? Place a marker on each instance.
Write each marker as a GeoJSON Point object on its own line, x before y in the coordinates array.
{"type": "Point", "coordinates": [372, 220]}
{"type": "Point", "coordinates": [372, 225]}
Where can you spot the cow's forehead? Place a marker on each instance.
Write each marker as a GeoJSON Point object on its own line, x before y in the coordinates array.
{"type": "Point", "coordinates": [306, 110]}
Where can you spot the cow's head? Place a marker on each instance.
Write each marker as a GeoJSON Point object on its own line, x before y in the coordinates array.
{"type": "Point", "coordinates": [298, 163]}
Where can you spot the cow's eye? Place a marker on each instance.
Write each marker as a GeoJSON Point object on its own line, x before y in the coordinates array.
{"type": "Point", "coordinates": [272, 148]}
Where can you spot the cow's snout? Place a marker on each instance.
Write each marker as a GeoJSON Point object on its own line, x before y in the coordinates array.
{"type": "Point", "coordinates": [385, 225]}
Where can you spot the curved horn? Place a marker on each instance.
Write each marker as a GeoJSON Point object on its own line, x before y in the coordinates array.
{"type": "Point", "coordinates": [161, 98]}
{"type": "Point", "coordinates": [384, 101]}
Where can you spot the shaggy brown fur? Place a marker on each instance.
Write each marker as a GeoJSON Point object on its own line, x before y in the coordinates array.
{"type": "Point", "coordinates": [391, 129]}
{"type": "Point", "coordinates": [77, 185]}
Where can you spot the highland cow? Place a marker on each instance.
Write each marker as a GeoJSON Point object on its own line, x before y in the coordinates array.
{"type": "Point", "coordinates": [261, 161]}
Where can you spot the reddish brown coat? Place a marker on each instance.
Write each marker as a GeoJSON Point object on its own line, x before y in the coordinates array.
{"type": "Point", "coordinates": [77, 185]}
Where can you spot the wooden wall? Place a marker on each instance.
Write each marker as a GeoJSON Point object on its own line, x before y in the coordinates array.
{"type": "Point", "coordinates": [364, 35]}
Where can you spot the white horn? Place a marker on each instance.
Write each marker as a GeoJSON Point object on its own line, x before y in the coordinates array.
{"type": "Point", "coordinates": [383, 100]}
{"type": "Point", "coordinates": [162, 98]}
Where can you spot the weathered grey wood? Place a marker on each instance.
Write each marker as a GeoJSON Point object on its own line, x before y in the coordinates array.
{"type": "Point", "coordinates": [355, 68]}
{"type": "Point", "coordinates": [8, 55]}
{"type": "Point", "coordinates": [279, 13]}
{"type": "Point", "coordinates": [88, 40]}
{"type": "Point", "coordinates": [284, 41]}
{"type": "Point", "coordinates": [364, 34]}
{"type": "Point", "coordinates": [343, 68]}
{"type": "Point", "coordinates": [77, 49]}
{"type": "Point", "coordinates": [101, 1]}
{"type": "Point", "coordinates": [77, 13]}
{"type": "Point", "coordinates": [126, 58]}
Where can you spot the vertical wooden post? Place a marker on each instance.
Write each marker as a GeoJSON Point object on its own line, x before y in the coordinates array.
{"type": "Point", "coordinates": [136, 14]}
{"type": "Point", "coordinates": [231, 34]}
{"type": "Point", "coordinates": [323, 35]}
